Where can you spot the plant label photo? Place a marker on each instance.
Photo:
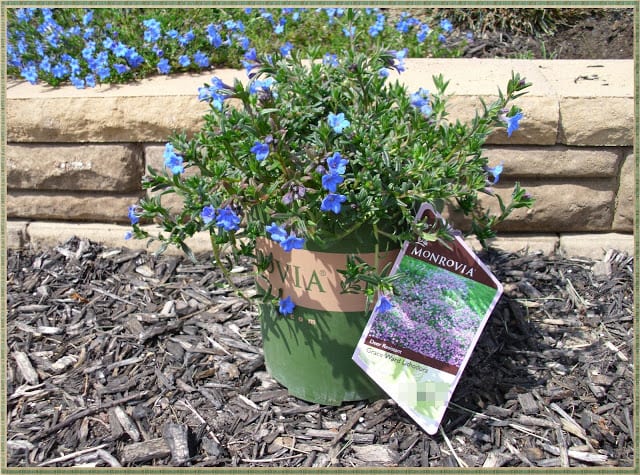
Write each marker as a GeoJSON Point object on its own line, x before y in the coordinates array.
{"type": "Point", "coordinates": [418, 341]}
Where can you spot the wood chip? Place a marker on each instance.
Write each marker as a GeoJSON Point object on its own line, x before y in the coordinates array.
{"type": "Point", "coordinates": [145, 451]}
{"type": "Point", "coordinates": [110, 356]}
{"type": "Point", "coordinates": [25, 367]}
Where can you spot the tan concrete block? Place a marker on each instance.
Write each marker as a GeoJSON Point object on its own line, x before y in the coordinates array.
{"type": "Point", "coordinates": [102, 119]}
{"type": "Point", "coordinates": [148, 111]}
{"type": "Point", "coordinates": [17, 236]}
{"type": "Point", "coordinates": [154, 158]}
{"type": "Point", "coordinates": [69, 206]}
{"type": "Point", "coordinates": [526, 243]}
{"type": "Point", "coordinates": [538, 127]}
{"type": "Point", "coordinates": [74, 167]}
{"type": "Point", "coordinates": [595, 246]}
{"type": "Point", "coordinates": [626, 197]}
{"type": "Point", "coordinates": [596, 121]}
{"type": "Point", "coordinates": [472, 76]}
{"type": "Point", "coordinates": [555, 162]}
{"type": "Point", "coordinates": [472, 79]}
{"type": "Point", "coordinates": [578, 206]}
{"type": "Point", "coordinates": [588, 77]}
{"type": "Point", "coordinates": [48, 234]}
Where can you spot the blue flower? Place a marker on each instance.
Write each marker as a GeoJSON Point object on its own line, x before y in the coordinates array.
{"type": "Point", "coordinates": [163, 66]}
{"type": "Point", "coordinates": [133, 214]}
{"type": "Point", "coordinates": [495, 171]}
{"type": "Point", "coordinates": [260, 84]}
{"type": "Point", "coordinates": [184, 60]}
{"type": "Point", "coordinates": [207, 214]}
{"type": "Point", "coordinates": [201, 59]}
{"type": "Point", "coordinates": [383, 305]}
{"type": "Point", "coordinates": [422, 33]}
{"type": "Point", "coordinates": [292, 242]}
{"type": "Point", "coordinates": [278, 233]}
{"type": "Point", "coordinates": [152, 33]}
{"type": "Point", "coordinates": [330, 59]}
{"type": "Point", "coordinates": [249, 61]}
{"type": "Point", "coordinates": [235, 25]}
{"type": "Point", "coordinates": [330, 181]}
{"type": "Point", "coordinates": [89, 50]}
{"type": "Point", "coordinates": [405, 23]}
{"type": "Point", "coordinates": [172, 160]}
{"type": "Point", "coordinates": [337, 164]}
{"type": "Point", "coordinates": [227, 219]}
{"type": "Point", "coordinates": [337, 122]}
{"type": "Point", "coordinates": [349, 32]}
{"type": "Point", "coordinates": [120, 69]}
{"type": "Point", "coordinates": [30, 74]}
{"type": "Point", "coordinates": [90, 80]}
{"type": "Point", "coordinates": [261, 150]}
{"type": "Point", "coordinates": [279, 28]}
{"type": "Point", "coordinates": [285, 49]}
{"type": "Point", "coordinates": [133, 58]}
{"type": "Point", "coordinates": [128, 235]}
{"type": "Point", "coordinates": [244, 42]}
{"type": "Point", "coordinates": [286, 306]}
{"type": "Point", "coordinates": [513, 123]}
{"type": "Point", "coordinates": [214, 36]}
{"type": "Point", "coordinates": [108, 43]}
{"type": "Point", "coordinates": [446, 25]}
{"type": "Point", "coordinates": [74, 64]}
{"type": "Point", "coordinates": [120, 50]}
{"type": "Point", "coordinates": [266, 15]}
{"type": "Point", "coordinates": [24, 14]}
{"type": "Point", "coordinates": [375, 29]}
{"type": "Point", "coordinates": [211, 95]}
{"type": "Point", "coordinates": [400, 56]}
{"type": "Point", "coordinates": [332, 202]}
{"type": "Point", "coordinates": [173, 34]}
{"type": "Point", "coordinates": [45, 65]}
{"type": "Point", "coordinates": [251, 55]}
{"type": "Point", "coordinates": [187, 38]}
{"type": "Point", "coordinates": [77, 82]}
{"type": "Point", "coordinates": [420, 100]}
{"type": "Point", "coordinates": [87, 18]}
{"type": "Point", "coordinates": [104, 72]}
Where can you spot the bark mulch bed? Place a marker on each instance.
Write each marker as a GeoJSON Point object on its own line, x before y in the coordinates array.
{"type": "Point", "coordinates": [119, 358]}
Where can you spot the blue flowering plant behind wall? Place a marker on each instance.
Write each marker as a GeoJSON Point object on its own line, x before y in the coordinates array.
{"type": "Point", "coordinates": [310, 152]}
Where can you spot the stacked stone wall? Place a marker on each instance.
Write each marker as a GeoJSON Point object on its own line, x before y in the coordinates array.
{"type": "Point", "coordinates": [75, 159]}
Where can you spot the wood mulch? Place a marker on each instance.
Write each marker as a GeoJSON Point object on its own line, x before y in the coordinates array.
{"type": "Point", "coordinates": [119, 358]}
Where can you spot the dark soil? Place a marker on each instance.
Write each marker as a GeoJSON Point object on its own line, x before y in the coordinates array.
{"type": "Point", "coordinates": [119, 358]}
{"type": "Point", "coordinates": [594, 34]}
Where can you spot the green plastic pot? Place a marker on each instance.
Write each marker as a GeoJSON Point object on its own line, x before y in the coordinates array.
{"type": "Point", "coordinates": [309, 351]}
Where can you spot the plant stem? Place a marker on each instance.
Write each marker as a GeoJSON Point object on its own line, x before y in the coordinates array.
{"type": "Point", "coordinates": [225, 271]}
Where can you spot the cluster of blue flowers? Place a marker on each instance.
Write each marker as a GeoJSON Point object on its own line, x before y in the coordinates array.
{"type": "Point", "coordinates": [226, 218]}
{"type": "Point", "coordinates": [172, 160]}
{"type": "Point", "coordinates": [420, 100]}
{"type": "Point", "coordinates": [105, 58]}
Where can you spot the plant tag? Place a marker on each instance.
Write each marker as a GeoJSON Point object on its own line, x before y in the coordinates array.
{"type": "Point", "coordinates": [416, 348]}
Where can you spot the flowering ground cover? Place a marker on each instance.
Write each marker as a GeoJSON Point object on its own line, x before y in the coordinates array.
{"type": "Point", "coordinates": [436, 313]}
{"type": "Point", "coordinates": [111, 45]}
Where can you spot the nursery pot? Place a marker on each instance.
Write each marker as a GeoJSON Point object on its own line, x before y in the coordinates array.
{"type": "Point", "coordinates": [309, 351]}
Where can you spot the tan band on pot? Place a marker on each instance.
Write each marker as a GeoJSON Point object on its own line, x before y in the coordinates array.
{"type": "Point", "coordinates": [311, 278]}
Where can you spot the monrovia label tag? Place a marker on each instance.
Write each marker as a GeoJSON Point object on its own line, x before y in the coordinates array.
{"type": "Point", "coordinates": [418, 341]}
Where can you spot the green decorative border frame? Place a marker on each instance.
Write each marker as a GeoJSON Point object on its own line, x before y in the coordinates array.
{"type": "Point", "coordinates": [356, 3]}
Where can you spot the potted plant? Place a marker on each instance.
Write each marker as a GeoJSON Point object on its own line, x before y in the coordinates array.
{"type": "Point", "coordinates": [315, 168]}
